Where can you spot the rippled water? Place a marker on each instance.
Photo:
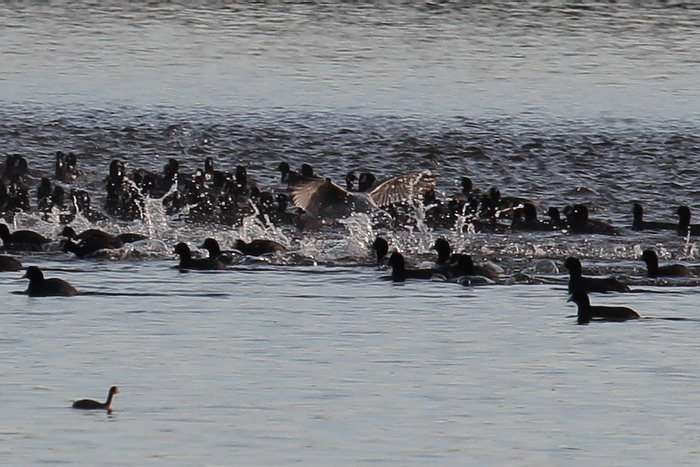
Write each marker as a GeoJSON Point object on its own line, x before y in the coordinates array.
{"type": "Point", "coordinates": [625, 60]}
{"type": "Point", "coordinates": [312, 358]}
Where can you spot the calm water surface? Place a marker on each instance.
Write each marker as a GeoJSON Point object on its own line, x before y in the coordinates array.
{"type": "Point", "coordinates": [311, 358]}
{"type": "Point", "coordinates": [303, 371]}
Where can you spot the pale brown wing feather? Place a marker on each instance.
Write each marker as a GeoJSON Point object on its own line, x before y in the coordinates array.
{"type": "Point", "coordinates": [404, 187]}
{"type": "Point", "coordinates": [315, 196]}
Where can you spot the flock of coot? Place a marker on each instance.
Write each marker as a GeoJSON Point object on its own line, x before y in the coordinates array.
{"type": "Point", "coordinates": [303, 200]}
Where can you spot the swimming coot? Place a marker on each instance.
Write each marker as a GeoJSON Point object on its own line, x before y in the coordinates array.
{"type": "Point", "coordinates": [89, 242]}
{"type": "Point", "coordinates": [41, 287]}
{"type": "Point", "coordinates": [580, 223]}
{"type": "Point", "coordinates": [8, 263]}
{"type": "Point", "coordinates": [22, 239]}
{"type": "Point", "coordinates": [350, 180]}
{"type": "Point", "coordinates": [444, 250]}
{"type": "Point", "coordinates": [94, 248]}
{"type": "Point", "coordinates": [114, 241]}
{"type": "Point", "coordinates": [638, 222]}
{"type": "Point", "coordinates": [590, 284]}
{"type": "Point", "coordinates": [89, 404]}
{"type": "Point", "coordinates": [381, 249]}
{"type": "Point", "coordinates": [555, 219]}
{"type": "Point", "coordinates": [684, 226]}
{"type": "Point", "coordinates": [525, 219]}
{"type": "Point", "coordinates": [187, 262]}
{"type": "Point", "coordinates": [462, 265]}
{"type": "Point", "coordinates": [259, 247]}
{"type": "Point", "coordinates": [588, 312]}
{"type": "Point", "coordinates": [65, 167]}
{"type": "Point", "coordinates": [669, 270]}
{"type": "Point", "coordinates": [399, 272]}
{"type": "Point", "coordinates": [503, 206]}
{"type": "Point", "coordinates": [291, 177]}
{"type": "Point", "coordinates": [212, 246]}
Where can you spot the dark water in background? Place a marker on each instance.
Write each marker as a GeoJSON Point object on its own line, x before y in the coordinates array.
{"type": "Point", "coordinates": [567, 60]}
{"type": "Point", "coordinates": [280, 363]}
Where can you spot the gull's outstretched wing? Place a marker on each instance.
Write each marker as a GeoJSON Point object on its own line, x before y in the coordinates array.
{"type": "Point", "coordinates": [404, 187]}
{"type": "Point", "coordinates": [323, 198]}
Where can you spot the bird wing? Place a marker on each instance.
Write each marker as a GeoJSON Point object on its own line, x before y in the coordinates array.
{"type": "Point", "coordinates": [317, 195]}
{"type": "Point", "coordinates": [404, 187]}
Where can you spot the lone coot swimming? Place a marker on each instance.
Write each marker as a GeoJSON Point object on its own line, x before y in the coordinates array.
{"type": "Point", "coordinates": [588, 312]}
{"type": "Point", "coordinates": [41, 287]}
{"type": "Point", "coordinates": [670, 270]}
{"type": "Point", "coordinates": [590, 284]}
{"type": "Point", "coordinates": [187, 262]}
{"type": "Point", "coordinates": [89, 404]}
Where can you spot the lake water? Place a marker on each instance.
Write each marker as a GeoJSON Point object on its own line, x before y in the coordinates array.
{"type": "Point", "coordinates": [311, 358]}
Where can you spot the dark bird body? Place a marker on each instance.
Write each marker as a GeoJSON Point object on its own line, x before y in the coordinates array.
{"type": "Point", "coordinates": [590, 284]}
{"type": "Point", "coordinates": [669, 270]}
{"type": "Point", "coordinates": [212, 246]}
{"type": "Point", "coordinates": [399, 272]}
{"type": "Point", "coordinates": [85, 249]}
{"type": "Point", "coordinates": [292, 178]}
{"type": "Point", "coordinates": [259, 247]}
{"type": "Point", "coordinates": [462, 265]}
{"type": "Point", "coordinates": [110, 240]}
{"type": "Point", "coordinates": [525, 219]}
{"type": "Point", "coordinates": [89, 404]}
{"type": "Point", "coordinates": [187, 262]}
{"type": "Point", "coordinates": [580, 223]}
{"type": "Point", "coordinates": [22, 238]}
{"type": "Point", "coordinates": [41, 287]}
{"type": "Point", "coordinates": [684, 225]}
{"type": "Point", "coordinates": [638, 222]}
{"type": "Point", "coordinates": [444, 251]}
{"type": "Point", "coordinates": [89, 242]}
{"type": "Point", "coordinates": [588, 312]}
{"type": "Point", "coordinates": [8, 263]}
{"type": "Point", "coordinates": [381, 249]}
